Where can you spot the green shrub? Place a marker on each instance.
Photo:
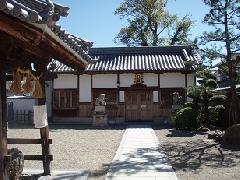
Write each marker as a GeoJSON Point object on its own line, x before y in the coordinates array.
{"type": "Point", "coordinates": [185, 119]}
{"type": "Point", "coordinates": [188, 104]}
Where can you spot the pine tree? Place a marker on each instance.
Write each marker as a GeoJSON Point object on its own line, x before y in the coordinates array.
{"type": "Point", "coordinates": [224, 41]}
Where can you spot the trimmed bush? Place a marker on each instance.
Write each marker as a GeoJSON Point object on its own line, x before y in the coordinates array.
{"type": "Point", "coordinates": [185, 119]}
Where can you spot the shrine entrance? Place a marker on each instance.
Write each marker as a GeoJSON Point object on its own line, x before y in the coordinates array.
{"type": "Point", "coordinates": [138, 105]}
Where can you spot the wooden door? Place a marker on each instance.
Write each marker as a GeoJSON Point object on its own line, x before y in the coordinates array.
{"type": "Point", "coordinates": [132, 106]}
{"type": "Point", "coordinates": [139, 106]}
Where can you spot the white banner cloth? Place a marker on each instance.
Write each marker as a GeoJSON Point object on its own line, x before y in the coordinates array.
{"type": "Point", "coordinates": [40, 116]}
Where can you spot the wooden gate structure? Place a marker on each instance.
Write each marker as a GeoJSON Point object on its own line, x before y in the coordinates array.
{"type": "Point", "coordinates": [29, 36]}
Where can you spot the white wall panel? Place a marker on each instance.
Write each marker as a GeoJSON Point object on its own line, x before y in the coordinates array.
{"type": "Point", "coordinates": [105, 81]}
{"type": "Point", "coordinates": [150, 79]}
{"type": "Point", "coordinates": [85, 94]}
{"type": "Point", "coordinates": [155, 96]}
{"type": "Point", "coordinates": [121, 96]}
{"type": "Point", "coordinates": [126, 80]}
{"type": "Point", "coordinates": [169, 80]}
{"type": "Point", "coordinates": [21, 104]}
{"type": "Point", "coordinates": [65, 81]}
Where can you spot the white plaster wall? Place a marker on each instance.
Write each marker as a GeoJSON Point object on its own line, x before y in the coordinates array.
{"type": "Point", "coordinates": [126, 80]}
{"type": "Point", "coordinates": [190, 79]}
{"type": "Point", "coordinates": [85, 94]}
{"type": "Point", "coordinates": [169, 80]}
{"type": "Point", "coordinates": [155, 96]}
{"type": "Point", "coordinates": [22, 104]}
{"type": "Point", "coordinates": [105, 81]}
{"type": "Point", "coordinates": [121, 96]}
{"type": "Point", "coordinates": [150, 79]}
{"type": "Point", "coordinates": [65, 81]}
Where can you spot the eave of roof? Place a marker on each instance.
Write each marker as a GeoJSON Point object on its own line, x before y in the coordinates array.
{"type": "Point", "coordinates": [28, 11]}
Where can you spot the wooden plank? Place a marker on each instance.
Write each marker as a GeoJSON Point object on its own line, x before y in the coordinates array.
{"type": "Point", "coordinates": [38, 157]}
{"type": "Point", "coordinates": [26, 141]}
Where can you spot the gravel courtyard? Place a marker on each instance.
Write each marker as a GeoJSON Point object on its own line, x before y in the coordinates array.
{"type": "Point", "coordinates": [74, 147]}
{"type": "Point", "coordinates": [194, 156]}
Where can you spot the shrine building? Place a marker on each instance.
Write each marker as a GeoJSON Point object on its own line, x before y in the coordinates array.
{"type": "Point", "coordinates": [139, 83]}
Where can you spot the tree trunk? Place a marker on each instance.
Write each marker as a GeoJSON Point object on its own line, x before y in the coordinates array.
{"type": "Point", "coordinates": [234, 111]}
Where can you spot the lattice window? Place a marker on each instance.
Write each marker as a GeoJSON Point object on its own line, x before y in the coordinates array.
{"type": "Point", "coordinates": [65, 99]}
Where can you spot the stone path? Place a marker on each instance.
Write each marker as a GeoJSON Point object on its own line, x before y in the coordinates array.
{"type": "Point", "coordinates": [139, 157]}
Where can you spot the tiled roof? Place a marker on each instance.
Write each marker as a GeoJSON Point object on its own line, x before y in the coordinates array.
{"type": "Point", "coordinates": [44, 12]}
{"type": "Point", "coordinates": [127, 59]}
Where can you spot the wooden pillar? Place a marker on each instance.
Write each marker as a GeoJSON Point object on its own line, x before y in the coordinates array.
{"type": "Point", "coordinates": [186, 85]}
{"type": "Point", "coordinates": [118, 87]}
{"type": "Point", "coordinates": [3, 127]}
{"type": "Point", "coordinates": [44, 133]}
{"type": "Point", "coordinates": [92, 98]}
{"type": "Point", "coordinates": [159, 92]}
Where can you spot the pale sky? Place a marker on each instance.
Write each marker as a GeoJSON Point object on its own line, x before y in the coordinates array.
{"type": "Point", "coordinates": [94, 19]}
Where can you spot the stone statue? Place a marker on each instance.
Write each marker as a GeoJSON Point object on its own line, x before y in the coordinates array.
{"type": "Point", "coordinates": [101, 100]}
{"type": "Point", "coordinates": [99, 114]}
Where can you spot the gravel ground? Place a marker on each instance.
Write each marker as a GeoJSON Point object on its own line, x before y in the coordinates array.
{"type": "Point", "coordinates": [74, 148]}
{"type": "Point", "coordinates": [194, 156]}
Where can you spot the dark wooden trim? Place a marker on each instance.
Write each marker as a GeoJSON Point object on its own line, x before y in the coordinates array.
{"type": "Point", "coordinates": [85, 103]}
{"type": "Point", "coordinates": [155, 88]}
{"type": "Point", "coordinates": [26, 141]}
{"type": "Point", "coordinates": [38, 157]}
{"type": "Point", "coordinates": [124, 72]}
{"type": "Point", "coordinates": [91, 89]}
{"type": "Point", "coordinates": [65, 89]}
{"type": "Point", "coordinates": [104, 88]}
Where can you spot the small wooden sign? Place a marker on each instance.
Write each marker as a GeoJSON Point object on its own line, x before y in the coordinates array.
{"type": "Point", "coordinates": [138, 79]}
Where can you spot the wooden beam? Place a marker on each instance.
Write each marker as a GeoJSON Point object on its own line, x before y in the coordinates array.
{"type": "Point", "coordinates": [3, 126]}
{"type": "Point", "coordinates": [26, 141]}
{"type": "Point", "coordinates": [37, 157]}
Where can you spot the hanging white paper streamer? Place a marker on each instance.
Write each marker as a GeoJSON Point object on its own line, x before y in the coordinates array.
{"type": "Point", "coordinates": [40, 116]}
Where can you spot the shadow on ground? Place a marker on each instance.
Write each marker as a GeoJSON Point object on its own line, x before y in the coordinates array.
{"type": "Point", "coordinates": [192, 155]}
{"type": "Point", "coordinates": [139, 161]}
{"type": "Point", "coordinates": [53, 127]}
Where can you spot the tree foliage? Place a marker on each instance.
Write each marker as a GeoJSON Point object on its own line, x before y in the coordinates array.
{"type": "Point", "coordinates": [224, 41]}
{"type": "Point", "coordinates": [150, 24]}
{"type": "Point", "coordinates": [206, 105]}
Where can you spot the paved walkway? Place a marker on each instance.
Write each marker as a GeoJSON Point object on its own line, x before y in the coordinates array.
{"type": "Point", "coordinates": [140, 158]}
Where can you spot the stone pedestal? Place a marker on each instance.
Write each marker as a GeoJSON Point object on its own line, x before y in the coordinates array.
{"type": "Point", "coordinates": [100, 120]}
